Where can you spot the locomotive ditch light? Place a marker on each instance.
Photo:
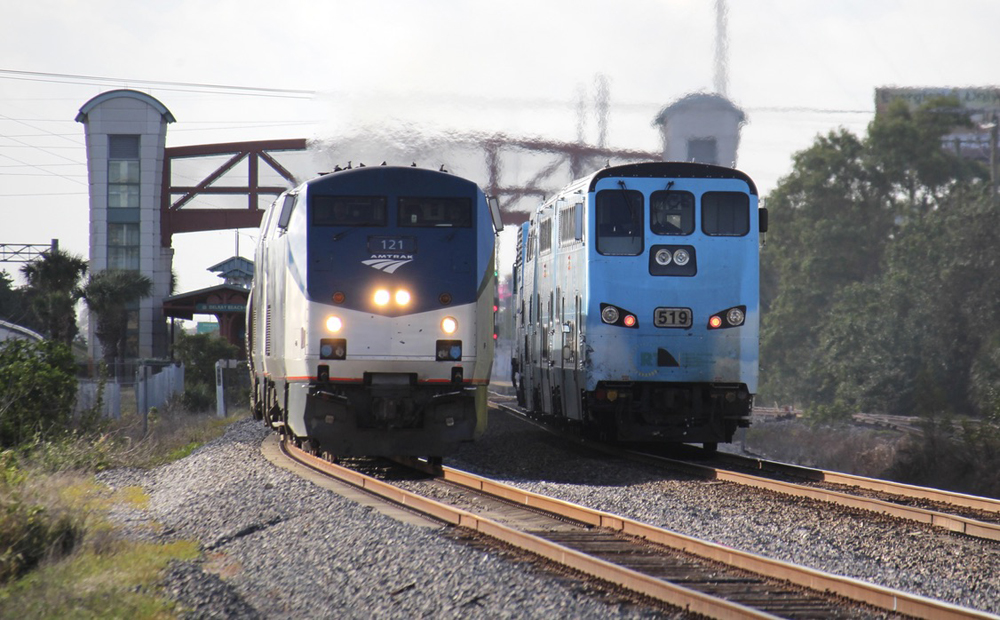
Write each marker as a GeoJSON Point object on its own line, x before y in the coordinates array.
{"type": "Point", "coordinates": [334, 324]}
{"type": "Point", "coordinates": [381, 297]}
{"type": "Point", "coordinates": [402, 297]}
{"type": "Point", "coordinates": [730, 317]}
{"type": "Point", "coordinates": [332, 349]}
{"type": "Point", "coordinates": [449, 325]}
{"type": "Point", "coordinates": [619, 317]}
{"type": "Point", "coordinates": [448, 350]}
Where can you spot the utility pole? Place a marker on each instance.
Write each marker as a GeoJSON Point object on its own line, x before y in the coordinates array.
{"type": "Point", "coordinates": [993, 155]}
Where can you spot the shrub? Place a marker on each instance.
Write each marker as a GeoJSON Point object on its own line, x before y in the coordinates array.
{"type": "Point", "coordinates": [30, 529]}
{"type": "Point", "coordinates": [37, 390]}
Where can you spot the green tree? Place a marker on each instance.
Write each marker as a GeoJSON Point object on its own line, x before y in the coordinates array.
{"type": "Point", "coordinates": [199, 353]}
{"type": "Point", "coordinates": [923, 336]}
{"type": "Point", "coordinates": [828, 230]}
{"type": "Point", "coordinates": [37, 390]}
{"type": "Point", "coordinates": [860, 264]}
{"type": "Point", "coordinates": [109, 294]}
{"type": "Point", "coordinates": [13, 306]}
{"type": "Point", "coordinates": [53, 288]}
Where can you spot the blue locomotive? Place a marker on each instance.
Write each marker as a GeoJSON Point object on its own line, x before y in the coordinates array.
{"type": "Point", "coordinates": [371, 321]}
{"type": "Point", "coordinates": [636, 313]}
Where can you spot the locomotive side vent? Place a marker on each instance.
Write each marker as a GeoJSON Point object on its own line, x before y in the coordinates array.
{"type": "Point", "coordinates": [267, 332]}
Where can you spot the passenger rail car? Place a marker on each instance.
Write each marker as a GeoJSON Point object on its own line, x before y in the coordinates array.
{"type": "Point", "coordinates": [371, 315]}
{"type": "Point", "coordinates": [636, 303]}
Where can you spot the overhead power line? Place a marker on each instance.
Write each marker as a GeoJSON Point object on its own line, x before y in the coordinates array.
{"type": "Point", "coordinates": [60, 77]}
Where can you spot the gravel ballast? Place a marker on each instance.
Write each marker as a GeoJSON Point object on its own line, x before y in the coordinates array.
{"type": "Point", "coordinates": [893, 553]}
{"type": "Point", "coordinates": [278, 546]}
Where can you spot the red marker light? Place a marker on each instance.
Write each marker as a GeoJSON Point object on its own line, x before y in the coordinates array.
{"type": "Point", "coordinates": [715, 322]}
{"type": "Point", "coordinates": [629, 320]}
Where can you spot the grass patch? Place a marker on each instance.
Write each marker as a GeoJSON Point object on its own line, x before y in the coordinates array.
{"type": "Point", "coordinates": [116, 582]}
{"type": "Point", "coordinates": [60, 557]}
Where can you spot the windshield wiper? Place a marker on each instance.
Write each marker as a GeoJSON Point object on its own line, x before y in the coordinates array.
{"type": "Point", "coordinates": [628, 203]}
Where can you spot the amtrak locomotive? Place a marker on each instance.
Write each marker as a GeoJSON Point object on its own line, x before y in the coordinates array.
{"type": "Point", "coordinates": [370, 324]}
{"type": "Point", "coordinates": [636, 303]}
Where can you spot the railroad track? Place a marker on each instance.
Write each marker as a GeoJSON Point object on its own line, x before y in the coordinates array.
{"type": "Point", "coordinates": [698, 576]}
{"type": "Point", "coordinates": [977, 517]}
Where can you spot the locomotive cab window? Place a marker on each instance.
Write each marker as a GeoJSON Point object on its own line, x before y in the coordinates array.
{"type": "Point", "coordinates": [349, 210]}
{"type": "Point", "coordinates": [725, 214]}
{"type": "Point", "coordinates": [619, 220]}
{"type": "Point", "coordinates": [435, 212]}
{"type": "Point", "coordinates": [671, 213]}
{"type": "Point", "coordinates": [286, 211]}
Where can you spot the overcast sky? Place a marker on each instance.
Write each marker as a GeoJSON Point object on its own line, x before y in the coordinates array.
{"type": "Point", "coordinates": [797, 68]}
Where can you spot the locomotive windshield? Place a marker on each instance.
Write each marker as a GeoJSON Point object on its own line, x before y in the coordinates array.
{"type": "Point", "coordinates": [349, 210]}
{"type": "Point", "coordinates": [725, 214]}
{"type": "Point", "coordinates": [619, 216]}
{"type": "Point", "coordinates": [433, 212]}
{"type": "Point", "coordinates": [671, 213]}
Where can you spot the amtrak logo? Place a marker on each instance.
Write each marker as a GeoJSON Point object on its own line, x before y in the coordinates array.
{"type": "Point", "coordinates": [388, 264]}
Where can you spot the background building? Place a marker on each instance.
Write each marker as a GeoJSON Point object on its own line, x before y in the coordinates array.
{"type": "Point", "coordinates": [126, 136]}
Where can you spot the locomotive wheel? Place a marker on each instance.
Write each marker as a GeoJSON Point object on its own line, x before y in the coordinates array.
{"type": "Point", "coordinates": [311, 446]}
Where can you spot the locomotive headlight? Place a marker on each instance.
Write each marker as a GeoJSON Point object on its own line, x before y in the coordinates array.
{"type": "Point", "coordinates": [402, 297]}
{"type": "Point", "coordinates": [334, 324]}
{"type": "Point", "coordinates": [681, 257]}
{"type": "Point", "coordinates": [449, 325]}
{"type": "Point", "coordinates": [609, 315]}
{"type": "Point", "coordinates": [381, 297]}
{"type": "Point", "coordinates": [735, 317]}
{"type": "Point", "coordinates": [663, 257]}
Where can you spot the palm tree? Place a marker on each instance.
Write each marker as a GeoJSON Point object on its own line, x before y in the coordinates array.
{"type": "Point", "coordinates": [53, 286]}
{"type": "Point", "coordinates": [108, 295]}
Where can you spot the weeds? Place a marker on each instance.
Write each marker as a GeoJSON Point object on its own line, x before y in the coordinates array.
{"type": "Point", "coordinates": [826, 445]}
{"type": "Point", "coordinates": [962, 457]}
{"type": "Point", "coordinates": [59, 555]}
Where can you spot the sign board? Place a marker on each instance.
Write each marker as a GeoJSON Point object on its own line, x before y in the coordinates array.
{"type": "Point", "coordinates": [982, 104]}
{"type": "Point", "coordinates": [220, 308]}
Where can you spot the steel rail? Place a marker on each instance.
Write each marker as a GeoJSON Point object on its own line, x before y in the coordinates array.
{"type": "Point", "coordinates": [698, 602]}
{"type": "Point", "coordinates": [670, 593]}
{"type": "Point", "coordinates": [949, 522]}
{"type": "Point", "coordinates": [909, 491]}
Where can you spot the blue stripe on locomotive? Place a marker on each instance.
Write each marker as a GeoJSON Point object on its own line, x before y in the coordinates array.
{"type": "Point", "coordinates": [727, 275]}
{"type": "Point", "coordinates": [446, 259]}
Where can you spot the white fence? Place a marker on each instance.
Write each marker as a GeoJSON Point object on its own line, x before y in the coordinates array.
{"type": "Point", "coordinates": [86, 398]}
{"type": "Point", "coordinates": [154, 386]}
{"type": "Point", "coordinates": [154, 390]}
